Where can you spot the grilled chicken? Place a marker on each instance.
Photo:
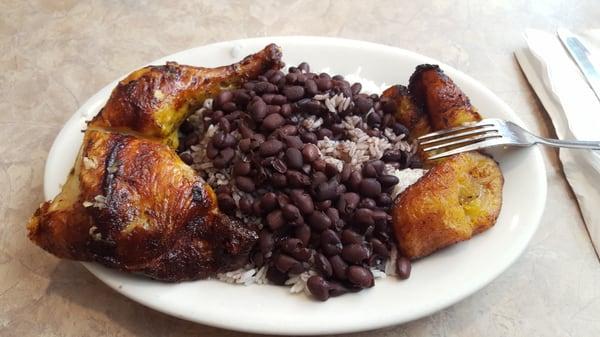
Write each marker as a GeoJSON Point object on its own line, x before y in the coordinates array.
{"type": "Point", "coordinates": [459, 196]}
{"type": "Point", "coordinates": [130, 202]}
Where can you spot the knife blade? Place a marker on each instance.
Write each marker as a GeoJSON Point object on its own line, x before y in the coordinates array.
{"type": "Point", "coordinates": [583, 58]}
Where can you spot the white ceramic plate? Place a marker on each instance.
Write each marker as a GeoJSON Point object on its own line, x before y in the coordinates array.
{"type": "Point", "coordinates": [436, 281]}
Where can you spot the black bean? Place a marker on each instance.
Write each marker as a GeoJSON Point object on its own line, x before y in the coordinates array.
{"type": "Point", "coordinates": [337, 289]}
{"type": "Point", "coordinates": [318, 287]}
{"type": "Point", "coordinates": [360, 277]}
{"type": "Point", "coordinates": [354, 181]}
{"type": "Point", "coordinates": [393, 156]}
{"type": "Point", "coordinates": [310, 106]}
{"type": "Point", "coordinates": [278, 180]}
{"type": "Point", "coordinates": [242, 168]}
{"type": "Point", "coordinates": [293, 141]}
{"type": "Point", "coordinates": [331, 170]}
{"type": "Point", "coordinates": [216, 116]}
{"type": "Point", "coordinates": [323, 265]}
{"type": "Point", "coordinates": [310, 86]}
{"type": "Point", "coordinates": [291, 77]}
{"type": "Point", "coordinates": [229, 107]}
{"type": "Point", "coordinates": [338, 266]}
{"type": "Point", "coordinates": [403, 267]}
{"type": "Point", "coordinates": [297, 179]}
{"type": "Point", "coordinates": [364, 217]}
{"type": "Point", "coordinates": [356, 88]}
{"type": "Point", "coordinates": [326, 190]}
{"type": "Point", "coordinates": [324, 83]}
{"type": "Point", "coordinates": [346, 171]}
{"type": "Point", "coordinates": [282, 199]}
{"type": "Point", "coordinates": [278, 165]}
{"type": "Point", "coordinates": [304, 67]}
{"type": "Point", "coordinates": [275, 276]}
{"type": "Point", "coordinates": [310, 152]}
{"type": "Point", "coordinates": [279, 100]}
{"type": "Point", "coordinates": [291, 212]}
{"type": "Point", "coordinates": [347, 203]}
{"type": "Point", "coordinates": [309, 137]}
{"type": "Point", "coordinates": [319, 221]}
{"type": "Point", "coordinates": [191, 139]}
{"type": "Point", "coordinates": [319, 165]}
{"type": "Point", "coordinates": [293, 93]}
{"type": "Point", "coordinates": [324, 132]}
{"type": "Point", "coordinates": [384, 200]}
{"type": "Point", "coordinates": [245, 184]}
{"type": "Point", "coordinates": [288, 130]}
{"type": "Point", "coordinates": [275, 220]}
{"type": "Point", "coordinates": [186, 157]}
{"type": "Point", "coordinates": [223, 189]}
{"type": "Point", "coordinates": [245, 205]}
{"type": "Point", "coordinates": [369, 170]}
{"type": "Point", "coordinates": [388, 180]}
{"type": "Point", "coordinates": [285, 263]}
{"type": "Point", "coordinates": [226, 202]}
{"type": "Point", "coordinates": [323, 205]}
{"type": "Point", "coordinates": [273, 109]}
{"type": "Point", "coordinates": [291, 245]}
{"type": "Point", "coordinates": [245, 145]}
{"type": "Point", "coordinates": [355, 253]}
{"type": "Point", "coordinates": [258, 109]}
{"type": "Point", "coordinates": [225, 125]}
{"type": "Point", "coordinates": [317, 178]}
{"type": "Point", "coordinates": [367, 203]}
{"type": "Point", "coordinates": [374, 119]}
{"type": "Point", "coordinates": [303, 233]}
{"type": "Point", "coordinates": [363, 104]}
{"type": "Point", "coordinates": [224, 158]}
{"type": "Point", "coordinates": [333, 215]}
{"type": "Point", "coordinates": [241, 97]}
{"type": "Point", "coordinates": [273, 121]}
{"type": "Point", "coordinates": [303, 201]}
{"type": "Point", "coordinates": [379, 248]}
{"type": "Point", "coordinates": [222, 98]}
{"type": "Point", "coordinates": [330, 243]}
{"type": "Point", "coordinates": [370, 187]}
{"type": "Point", "coordinates": [270, 148]}
{"type": "Point", "coordinates": [265, 241]}
{"type": "Point", "coordinates": [349, 236]}
{"type": "Point", "coordinates": [293, 158]}
{"type": "Point", "coordinates": [268, 201]}
{"type": "Point", "coordinates": [286, 110]}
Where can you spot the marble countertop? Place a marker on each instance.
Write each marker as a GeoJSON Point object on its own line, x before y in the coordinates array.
{"type": "Point", "coordinates": [55, 54]}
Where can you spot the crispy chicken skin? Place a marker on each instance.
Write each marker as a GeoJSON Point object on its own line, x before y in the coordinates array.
{"type": "Point", "coordinates": [154, 100]}
{"type": "Point", "coordinates": [130, 202]}
{"type": "Point", "coordinates": [459, 196]}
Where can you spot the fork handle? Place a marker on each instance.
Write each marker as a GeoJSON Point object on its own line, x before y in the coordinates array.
{"type": "Point", "coordinates": [573, 144]}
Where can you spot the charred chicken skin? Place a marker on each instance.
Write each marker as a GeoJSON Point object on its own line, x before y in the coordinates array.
{"type": "Point", "coordinates": [130, 202]}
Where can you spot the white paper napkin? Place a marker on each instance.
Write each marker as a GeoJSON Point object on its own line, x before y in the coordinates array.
{"type": "Point", "coordinates": [575, 113]}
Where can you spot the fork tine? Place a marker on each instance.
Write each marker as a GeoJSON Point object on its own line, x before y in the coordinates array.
{"type": "Point", "coordinates": [436, 134]}
{"type": "Point", "coordinates": [470, 147]}
{"type": "Point", "coordinates": [462, 141]}
{"type": "Point", "coordinates": [463, 134]}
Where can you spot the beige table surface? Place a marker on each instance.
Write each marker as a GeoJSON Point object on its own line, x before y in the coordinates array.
{"type": "Point", "coordinates": [55, 54]}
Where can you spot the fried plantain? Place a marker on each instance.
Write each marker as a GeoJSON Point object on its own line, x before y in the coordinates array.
{"type": "Point", "coordinates": [407, 112]}
{"type": "Point", "coordinates": [442, 100]}
{"type": "Point", "coordinates": [456, 199]}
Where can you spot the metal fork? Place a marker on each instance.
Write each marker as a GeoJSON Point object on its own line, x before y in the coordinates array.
{"type": "Point", "coordinates": [488, 133]}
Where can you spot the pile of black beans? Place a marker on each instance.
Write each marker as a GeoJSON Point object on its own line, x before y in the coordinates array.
{"type": "Point", "coordinates": [315, 216]}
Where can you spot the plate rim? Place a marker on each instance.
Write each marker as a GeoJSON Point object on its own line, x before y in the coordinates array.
{"type": "Point", "coordinates": [97, 270]}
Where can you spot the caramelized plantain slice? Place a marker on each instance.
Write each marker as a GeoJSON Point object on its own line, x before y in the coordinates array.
{"type": "Point", "coordinates": [457, 198]}
{"type": "Point", "coordinates": [443, 101]}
